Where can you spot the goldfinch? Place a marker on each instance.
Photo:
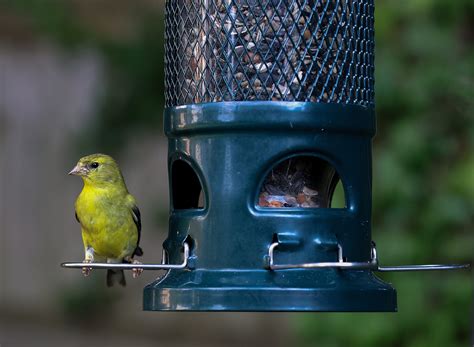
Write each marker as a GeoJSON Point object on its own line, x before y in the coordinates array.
{"type": "Point", "coordinates": [109, 216]}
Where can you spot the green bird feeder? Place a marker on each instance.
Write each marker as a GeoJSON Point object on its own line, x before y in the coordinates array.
{"type": "Point", "coordinates": [269, 104]}
{"type": "Point", "coordinates": [252, 87]}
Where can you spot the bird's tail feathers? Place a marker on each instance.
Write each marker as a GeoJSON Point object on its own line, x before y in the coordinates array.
{"type": "Point", "coordinates": [115, 276]}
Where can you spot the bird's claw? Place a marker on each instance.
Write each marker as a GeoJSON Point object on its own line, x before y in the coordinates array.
{"type": "Point", "coordinates": [86, 271]}
{"type": "Point", "coordinates": [136, 271]}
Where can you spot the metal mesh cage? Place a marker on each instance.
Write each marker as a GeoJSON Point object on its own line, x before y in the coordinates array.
{"type": "Point", "coordinates": [285, 50]}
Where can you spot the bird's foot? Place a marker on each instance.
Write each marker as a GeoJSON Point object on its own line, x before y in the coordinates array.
{"type": "Point", "coordinates": [136, 271]}
{"type": "Point", "coordinates": [86, 271]}
{"type": "Point", "coordinates": [88, 258]}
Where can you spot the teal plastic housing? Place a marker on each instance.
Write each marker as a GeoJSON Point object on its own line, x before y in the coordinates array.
{"type": "Point", "coordinates": [232, 146]}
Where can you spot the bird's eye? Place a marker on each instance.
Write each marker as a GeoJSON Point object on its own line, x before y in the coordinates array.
{"type": "Point", "coordinates": [94, 165]}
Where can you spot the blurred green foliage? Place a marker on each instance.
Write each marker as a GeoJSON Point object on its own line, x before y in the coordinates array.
{"type": "Point", "coordinates": [423, 191]}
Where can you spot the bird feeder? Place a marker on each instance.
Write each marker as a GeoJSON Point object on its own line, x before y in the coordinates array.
{"type": "Point", "coordinates": [269, 104]}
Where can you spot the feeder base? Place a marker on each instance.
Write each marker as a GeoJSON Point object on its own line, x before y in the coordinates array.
{"type": "Point", "coordinates": [262, 290]}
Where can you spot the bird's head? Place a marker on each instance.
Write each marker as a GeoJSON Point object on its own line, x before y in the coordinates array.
{"type": "Point", "coordinates": [97, 170]}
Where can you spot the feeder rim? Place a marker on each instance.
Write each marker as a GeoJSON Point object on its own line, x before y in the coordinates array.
{"type": "Point", "coordinates": [254, 116]}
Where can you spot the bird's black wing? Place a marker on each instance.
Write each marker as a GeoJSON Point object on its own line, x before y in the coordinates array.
{"type": "Point", "coordinates": [77, 218]}
{"type": "Point", "coordinates": [138, 222]}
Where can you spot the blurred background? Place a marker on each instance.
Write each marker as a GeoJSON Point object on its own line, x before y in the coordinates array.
{"type": "Point", "coordinates": [78, 77]}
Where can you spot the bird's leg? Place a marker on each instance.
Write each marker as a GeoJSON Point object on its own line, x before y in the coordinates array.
{"type": "Point", "coordinates": [88, 258]}
{"type": "Point", "coordinates": [135, 271]}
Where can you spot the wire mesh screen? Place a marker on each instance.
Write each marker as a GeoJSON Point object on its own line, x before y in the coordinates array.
{"type": "Point", "coordinates": [282, 50]}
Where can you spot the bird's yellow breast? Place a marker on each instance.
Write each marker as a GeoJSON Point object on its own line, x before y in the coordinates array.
{"type": "Point", "coordinates": [107, 222]}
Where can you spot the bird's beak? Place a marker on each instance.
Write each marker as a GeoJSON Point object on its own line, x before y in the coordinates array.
{"type": "Point", "coordinates": [78, 171]}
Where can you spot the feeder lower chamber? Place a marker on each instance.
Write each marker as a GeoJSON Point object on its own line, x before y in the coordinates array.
{"type": "Point", "coordinates": [229, 149]}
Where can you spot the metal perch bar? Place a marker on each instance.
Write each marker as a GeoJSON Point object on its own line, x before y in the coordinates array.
{"type": "Point", "coordinates": [161, 266]}
{"type": "Point", "coordinates": [423, 267]}
{"type": "Point", "coordinates": [371, 265]}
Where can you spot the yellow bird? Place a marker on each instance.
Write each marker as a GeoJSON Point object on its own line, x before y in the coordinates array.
{"type": "Point", "coordinates": [109, 216]}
